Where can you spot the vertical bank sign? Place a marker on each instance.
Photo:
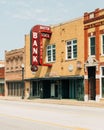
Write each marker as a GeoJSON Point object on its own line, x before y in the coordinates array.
{"type": "Point", "coordinates": [37, 34]}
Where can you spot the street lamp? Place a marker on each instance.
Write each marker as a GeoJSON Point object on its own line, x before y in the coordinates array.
{"type": "Point", "coordinates": [22, 66]}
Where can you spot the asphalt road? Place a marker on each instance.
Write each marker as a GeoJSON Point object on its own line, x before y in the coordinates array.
{"type": "Point", "coordinates": [15, 115]}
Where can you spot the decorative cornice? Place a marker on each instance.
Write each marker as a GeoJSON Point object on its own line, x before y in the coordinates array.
{"type": "Point", "coordinates": [93, 19]}
{"type": "Point", "coordinates": [94, 25]}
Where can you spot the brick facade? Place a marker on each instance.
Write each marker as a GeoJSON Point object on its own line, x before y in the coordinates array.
{"type": "Point", "coordinates": [60, 34]}
{"type": "Point", "coordinates": [59, 78]}
{"type": "Point", "coordinates": [93, 26]}
{"type": "Point", "coordinates": [2, 73]}
{"type": "Point", "coordinates": [13, 71]}
{"type": "Point", "coordinates": [60, 67]}
{"type": "Point", "coordinates": [2, 77]}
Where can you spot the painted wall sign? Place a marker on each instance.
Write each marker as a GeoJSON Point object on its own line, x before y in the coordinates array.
{"type": "Point", "coordinates": [37, 34]}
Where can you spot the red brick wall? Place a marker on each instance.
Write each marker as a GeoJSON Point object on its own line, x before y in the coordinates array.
{"type": "Point", "coordinates": [2, 72]}
{"type": "Point", "coordinates": [97, 43]}
{"type": "Point", "coordinates": [97, 86]}
{"type": "Point", "coordinates": [85, 45]}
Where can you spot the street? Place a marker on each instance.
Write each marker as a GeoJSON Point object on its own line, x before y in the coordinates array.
{"type": "Point", "coordinates": [20, 115]}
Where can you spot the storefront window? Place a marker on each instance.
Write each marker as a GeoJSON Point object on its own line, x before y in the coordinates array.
{"type": "Point", "coordinates": [103, 87]}
{"type": "Point", "coordinates": [1, 88]}
{"type": "Point", "coordinates": [14, 89]}
{"type": "Point", "coordinates": [102, 71]}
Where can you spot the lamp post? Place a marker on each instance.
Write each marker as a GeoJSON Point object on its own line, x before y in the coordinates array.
{"type": "Point", "coordinates": [22, 66]}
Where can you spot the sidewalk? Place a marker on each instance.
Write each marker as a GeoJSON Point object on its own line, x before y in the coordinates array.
{"type": "Point", "coordinates": [57, 101]}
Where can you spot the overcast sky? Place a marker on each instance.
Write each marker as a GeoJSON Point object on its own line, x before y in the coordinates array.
{"type": "Point", "coordinates": [17, 17]}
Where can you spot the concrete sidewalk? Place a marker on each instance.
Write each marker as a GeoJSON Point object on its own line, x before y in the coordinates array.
{"type": "Point", "coordinates": [57, 101]}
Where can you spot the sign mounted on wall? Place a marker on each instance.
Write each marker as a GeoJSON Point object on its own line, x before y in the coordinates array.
{"type": "Point", "coordinates": [35, 48]}
{"type": "Point", "coordinates": [37, 34]}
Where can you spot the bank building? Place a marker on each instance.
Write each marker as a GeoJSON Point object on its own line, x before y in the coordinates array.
{"type": "Point", "coordinates": [64, 61]}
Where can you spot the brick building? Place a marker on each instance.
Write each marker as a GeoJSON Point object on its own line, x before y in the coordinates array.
{"type": "Point", "coordinates": [69, 58]}
{"type": "Point", "coordinates": [64, 77]}
{"type": "Point", "coordinates": [2, 78]}
{"type": "Point", "coordinates": [94, 54]}
{"type": "Point", "coordinates": [13, 72]}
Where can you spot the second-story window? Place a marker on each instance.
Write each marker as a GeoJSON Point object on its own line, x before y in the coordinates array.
{"type": "Point", "coordinates": [102, 41]}
{"type": "Point", "coordinates": [51, 53]}
{"type": "Point", "coordinates": [72, 49]}
{"type": "Point", "coordinates": [92, 46]}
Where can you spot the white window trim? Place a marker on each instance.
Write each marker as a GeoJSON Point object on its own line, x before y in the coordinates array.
{"type": "Point", "coordinates": [102, 54]}
{"type": "Point", "coordinates": [51, 55]}
{"type": "Point", "coordinates": [72, 49]}
{"type": "Point", "coordinates": [91, 15]}
{"type": "Point", "coordinates": [101, 76]}
{"type": "Point", "coordinates": [90, 48]}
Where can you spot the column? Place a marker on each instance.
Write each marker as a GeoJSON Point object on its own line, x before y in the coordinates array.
{"type": "Point", "coordinates": [97, 89]}
{"type": "Point", "coordinates": [86, 90]}
{"type": "Point", "coordinates": [59, 90]}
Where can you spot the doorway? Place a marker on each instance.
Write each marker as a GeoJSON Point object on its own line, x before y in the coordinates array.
{"type": "Point", "coordinates": [92, 83]}
{"type": "Point", "coordinates": [72, 89]}
{"type": "Point", "coordinates": [54, 90]}
{"type": "Point", "coordinates": [35, 90]}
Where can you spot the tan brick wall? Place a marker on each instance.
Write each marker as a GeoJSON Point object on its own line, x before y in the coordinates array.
{"type": "Point", "coordinates": [13, 61]}
{"type": "Point", "coordinates": [60, 34]}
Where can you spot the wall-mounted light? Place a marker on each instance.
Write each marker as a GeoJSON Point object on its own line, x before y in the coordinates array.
{"type": "Point", "coordinates": [79, 65]}
{"type": "Point", "coordinates": [22, 66]}
{"type": "Point", "coordinates": [70, 68]}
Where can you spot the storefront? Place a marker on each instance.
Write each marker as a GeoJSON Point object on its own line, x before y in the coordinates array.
{"type": "Point", "coordinates": [2, 78]}
{"type": "Point", "coordinates": [102, 82]}
{"type": "Point", "coordinates": [14, 72]}
{"type": "Point", "coordinates": [94, 54]}
{"type": "Point", "coordinates": [58, 88]}
{"type": "Point", "coordinates": [14, 88]}
{"type": "Point", "coordinates": [1, 87]}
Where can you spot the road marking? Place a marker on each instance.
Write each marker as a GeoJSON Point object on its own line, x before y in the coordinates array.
{"type": "Point", "coordinates": [43, 122]}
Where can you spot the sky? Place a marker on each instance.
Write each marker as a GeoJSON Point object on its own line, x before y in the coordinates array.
{"type": "Point", "coordinates": [17, 17]}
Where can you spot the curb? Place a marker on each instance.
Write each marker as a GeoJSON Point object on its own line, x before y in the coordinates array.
{"type": "Point", "coordinates": [57, 101]}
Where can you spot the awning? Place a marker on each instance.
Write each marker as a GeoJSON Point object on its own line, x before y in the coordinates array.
{"type": "Point", "coordinates": [56, 78]}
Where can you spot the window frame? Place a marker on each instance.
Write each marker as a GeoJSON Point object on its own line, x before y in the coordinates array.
{"type": "Point", "coordinates": [72, 49]}
{"type": "Point", "coordinates": [102, 45]}
{"type": "Point", "coordinates": [90, 46]}
{"type": "Point", "coordinates": [52, 53]}
{"type": "Point", "coordinates": [101, 80]}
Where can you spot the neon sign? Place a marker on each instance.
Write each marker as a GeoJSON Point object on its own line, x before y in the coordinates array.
{"type": "Point", "coordinates": [35, 48]}
{"type": "Point", "coordinates": [37, 34]}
